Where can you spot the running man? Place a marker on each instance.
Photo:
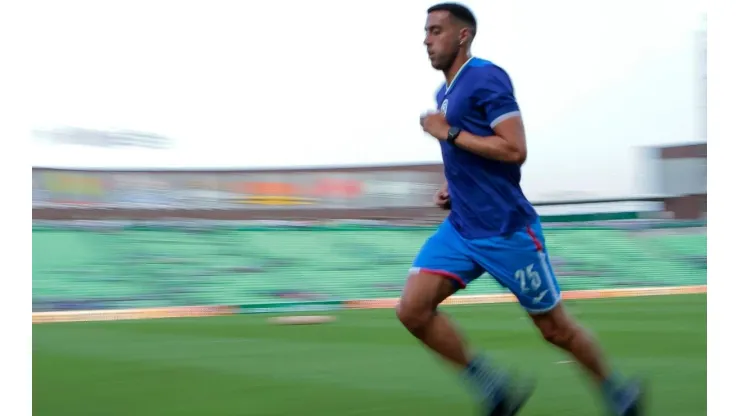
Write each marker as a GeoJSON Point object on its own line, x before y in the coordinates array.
{"type": "Point", "coordinates": [492, 227]}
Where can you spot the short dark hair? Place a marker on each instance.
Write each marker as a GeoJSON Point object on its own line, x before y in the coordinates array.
{"type": "Point", "coordinates": [459, 12]}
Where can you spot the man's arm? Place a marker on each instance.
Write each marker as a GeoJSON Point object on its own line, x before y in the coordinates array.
{"type": "Point", "coordinates": [494, 97]}
{"type": "Point", "coordinates": [508, 144]}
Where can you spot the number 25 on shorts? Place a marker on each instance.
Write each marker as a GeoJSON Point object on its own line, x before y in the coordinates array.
{"type": "Point", "coordinates": [528, 278]}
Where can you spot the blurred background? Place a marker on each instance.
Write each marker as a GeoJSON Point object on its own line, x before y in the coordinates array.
{"type": "Point", "coordinates": [129, 239]}
{"type": "Point", "coordinates": [233, 157]}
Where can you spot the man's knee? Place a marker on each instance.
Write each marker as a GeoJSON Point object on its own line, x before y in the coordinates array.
{"type": "Point", "coordinates": [556, 326]}
{"type": "Point", "coordinates": [560, 336]}
{"type": "Point", "coordinates": [414, 317]}
{"type": "Point", "coordinates": [421, 296]}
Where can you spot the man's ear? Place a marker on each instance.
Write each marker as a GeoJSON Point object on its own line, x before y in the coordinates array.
{"type": "Point", "coordinates": [465, 35]}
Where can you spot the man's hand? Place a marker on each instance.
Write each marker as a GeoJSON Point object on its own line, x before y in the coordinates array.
{"type": "Point", "coordinates": [442, 197]}
{"type": "Point", "coordinates": [435, 124]}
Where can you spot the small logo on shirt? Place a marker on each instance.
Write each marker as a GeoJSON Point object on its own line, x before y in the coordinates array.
{"type": "Point", "coordinates": [443, 107]}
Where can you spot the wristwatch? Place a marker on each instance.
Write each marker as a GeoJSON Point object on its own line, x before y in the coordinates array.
{"type": "Point", "coordinates": [452, 135]}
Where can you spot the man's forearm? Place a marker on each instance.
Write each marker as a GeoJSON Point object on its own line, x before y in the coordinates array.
{"type": "Point", "coordinates": [491, 147]}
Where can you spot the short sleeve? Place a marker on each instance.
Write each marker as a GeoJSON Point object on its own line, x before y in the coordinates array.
{"type": "Point", "coordinates": [494, 96]}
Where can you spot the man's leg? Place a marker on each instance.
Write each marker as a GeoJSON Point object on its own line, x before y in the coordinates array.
{"type": "Point", "coordinates": [418, 312]}
{"type": "Point", "coordinates": [441, 267]}
{"type": "Point", "coordinates": [521, 263]}
{"type": "Point", "coordinates": [560, 329]}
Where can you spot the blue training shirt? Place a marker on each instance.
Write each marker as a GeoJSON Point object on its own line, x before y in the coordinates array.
{"type": "Point", "coordinates": [486, 197]}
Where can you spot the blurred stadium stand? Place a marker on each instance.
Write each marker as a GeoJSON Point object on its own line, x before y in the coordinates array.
{"type": "Point", "coordinates": [104, 239]}
{"type": "Point", "coordinates": [167, 265]}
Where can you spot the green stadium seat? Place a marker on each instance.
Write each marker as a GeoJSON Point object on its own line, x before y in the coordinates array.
{"type": "Point", "coordinates": [152, 267]}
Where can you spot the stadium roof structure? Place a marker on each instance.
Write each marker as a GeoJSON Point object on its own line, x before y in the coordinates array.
{"type": "Point", "coordinates": [103, 138]}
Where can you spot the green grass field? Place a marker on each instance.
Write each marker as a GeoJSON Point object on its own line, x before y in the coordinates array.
{"type": "Point", "coordinates": [362, 364]}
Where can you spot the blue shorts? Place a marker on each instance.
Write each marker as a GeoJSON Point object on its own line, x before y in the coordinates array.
{"type": "Point", "coordinates": [518, 262]}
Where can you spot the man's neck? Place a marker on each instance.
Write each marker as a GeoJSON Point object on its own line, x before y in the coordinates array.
{"type": "Point", "coordinates": [455, 67]}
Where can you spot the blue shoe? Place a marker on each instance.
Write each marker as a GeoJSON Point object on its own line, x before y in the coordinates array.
{"type": "Point", "coordinates": [510, 401]}
{"type": "Point", "coordinates": [629, 400]}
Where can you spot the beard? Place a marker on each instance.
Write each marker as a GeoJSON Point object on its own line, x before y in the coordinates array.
{"type": "Point", "coordinates": [444, 61]}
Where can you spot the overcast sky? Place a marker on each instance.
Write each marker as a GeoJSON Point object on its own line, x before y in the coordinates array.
{"type": "Point", "coordinates": [292, 83]}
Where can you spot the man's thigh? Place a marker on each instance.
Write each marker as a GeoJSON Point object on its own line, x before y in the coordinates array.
{"type": "Point", "coordinates": [446, 254]}
{"type": "Point", "coordinates": [521, 264]}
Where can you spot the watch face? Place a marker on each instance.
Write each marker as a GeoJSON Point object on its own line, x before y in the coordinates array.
{"type": "Point", "coordinates": [452, 135]}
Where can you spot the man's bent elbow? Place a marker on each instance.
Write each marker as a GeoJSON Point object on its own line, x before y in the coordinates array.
{"type": "Point", "coordinates": [518, 156]}
{"type": "Point", "coordinates": [508, 156]}
{"type": "Point", "coordinates": [515, 151]}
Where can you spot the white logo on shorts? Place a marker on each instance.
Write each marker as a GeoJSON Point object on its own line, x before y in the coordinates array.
{"type": "Point", "coordinates": [541, 296]}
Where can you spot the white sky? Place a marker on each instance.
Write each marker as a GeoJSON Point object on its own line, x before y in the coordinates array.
{"type": "Point", "coordinates": [292, 83]}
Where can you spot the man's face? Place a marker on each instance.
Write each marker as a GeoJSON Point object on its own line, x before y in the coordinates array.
{"type": "Point", "coordinates": [442, 39]}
